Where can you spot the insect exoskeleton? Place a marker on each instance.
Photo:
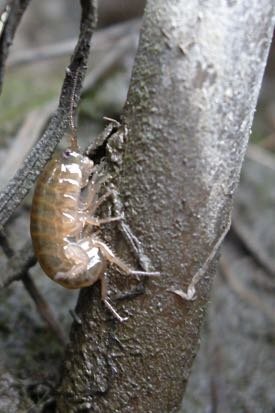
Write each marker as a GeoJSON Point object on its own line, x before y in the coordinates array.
{"type": "Point", "coordinates": [64, 205]}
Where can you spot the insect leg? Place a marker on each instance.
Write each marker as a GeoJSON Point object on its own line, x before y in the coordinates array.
{"type": "Point", "coordinates": [92, 187]}
{"type": "Point", "coordinates": [98, 221]}
{"type": "Point", "coordinates": [92, 203]}
{"type": "Point", "coordinates": [102, 199]}
{"type": "Point", "coordinates": [89, 196]}
{"type": "Point", "coordinates": [104, 297]}
{"type": "Point", "coordinates": [110, 256]}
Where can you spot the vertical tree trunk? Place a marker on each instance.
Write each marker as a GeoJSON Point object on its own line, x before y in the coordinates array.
{"type": "Point", "coordinates": [176, 162]}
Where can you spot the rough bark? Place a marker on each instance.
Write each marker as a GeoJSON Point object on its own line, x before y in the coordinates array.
{"type": "Point", "coordinates": [176, 163]}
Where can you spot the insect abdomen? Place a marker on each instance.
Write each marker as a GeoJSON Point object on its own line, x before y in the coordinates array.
{"type": "Point", "coordinates": [54, 216]}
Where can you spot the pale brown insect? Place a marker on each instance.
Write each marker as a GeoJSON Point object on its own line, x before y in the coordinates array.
{"type": "Point", "coordinates": [63, 224]}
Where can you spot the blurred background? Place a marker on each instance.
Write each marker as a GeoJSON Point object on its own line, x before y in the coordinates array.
{"type": "Point", "coordinates": [235, 367]}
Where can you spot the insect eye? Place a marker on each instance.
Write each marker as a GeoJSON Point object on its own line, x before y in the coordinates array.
{"type": "Point", "coordinates": [67, 153]}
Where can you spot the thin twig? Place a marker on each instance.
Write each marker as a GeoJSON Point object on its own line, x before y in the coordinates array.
{"type": "Point", "coordinates": [110, 61]}
{"type": "Point", "coordinates": [251, 244]}
{"type": "Point", "coordinates": [43, 308]}
{"type": "Point", "coordinates": [5, 244]}
{"type": "Point", "coordinates": [40, 54]}
{"type": "Point", "coordinates": [103, 40]}
{"type": "Point", "coordinates": [17, 265]}
{"type": "Point", "coordinates": [247, 239]}
{"type": "Point", "coordinates": [246, 294]}
{"type": "Point", "coordinates": [261, 156]}
{"type": "Point", "coordinates": [17, 268]}
{"type": "Point", "coordinates": [26, 137]}
{"type": "Point", "coordinates": [20, 185]}
{"type": "Point", "coordinates": [217, 379]}
{"type": "Point", "coordinates": [16, 10]}
{"type": "Point", "coordinates": [268, 143]}
{"type": "Point", "coordinates": [214, 395]}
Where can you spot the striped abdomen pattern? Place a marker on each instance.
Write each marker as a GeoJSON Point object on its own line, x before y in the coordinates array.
{"type": "Point", "coordinates": [55, 214]}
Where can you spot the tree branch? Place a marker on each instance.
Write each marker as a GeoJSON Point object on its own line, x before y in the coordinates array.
{"type": "Point", "coordinates": [18, 264]}
{"type": "Point", "coordinates": [15, 10]}
{"type": "Point", "coordinates": [20, 185]}
{"type": "Point", "coordinates": [44, 308]}
{"type": "Point", "coordinates": [176, 162]}
{"type": "Point", "coordinates": [17, 268]}
{"type": "Point", "coordinates": [245, 293]}
{"type": "Point", "coordinates": [103, 40]}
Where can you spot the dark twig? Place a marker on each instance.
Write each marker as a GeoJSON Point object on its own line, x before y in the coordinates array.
{"type": "Point", "coordinates": [17, 268]}
{"type": "Point", "coordinates": [16, 10]}
{"type": "Point", "coordinates": [27, 135]}
{"type": "Point", "coordinates": [44, 308]}
{"type": "Point", "coordinates": [20, 185]}
{"type": "Point", "coordinates": [261, 156]}
{"type": "Point", "coordinates": [103, 40]}
{"type": "Point", "coordinates": [250, 242]}
{"type": "Point", "coordinates": [18, 263]}
{"type": "Point", "coordinates": [5, 245]}
{"type": "Point", "coordinates": [110, 61]}
{"type": "Point", "coordinates": [218, 385]}
{"type": "Point", "coordinates": [245, 293]}
{"type": "Point", "coordinates": [251, 245]}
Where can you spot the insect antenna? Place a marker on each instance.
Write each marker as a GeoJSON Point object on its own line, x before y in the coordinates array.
{"type": "Point", "coordinates": [74, 143]}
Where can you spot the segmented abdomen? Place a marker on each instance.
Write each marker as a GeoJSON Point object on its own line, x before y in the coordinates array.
{"type": "Point", "coordinates": [54, 216]}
